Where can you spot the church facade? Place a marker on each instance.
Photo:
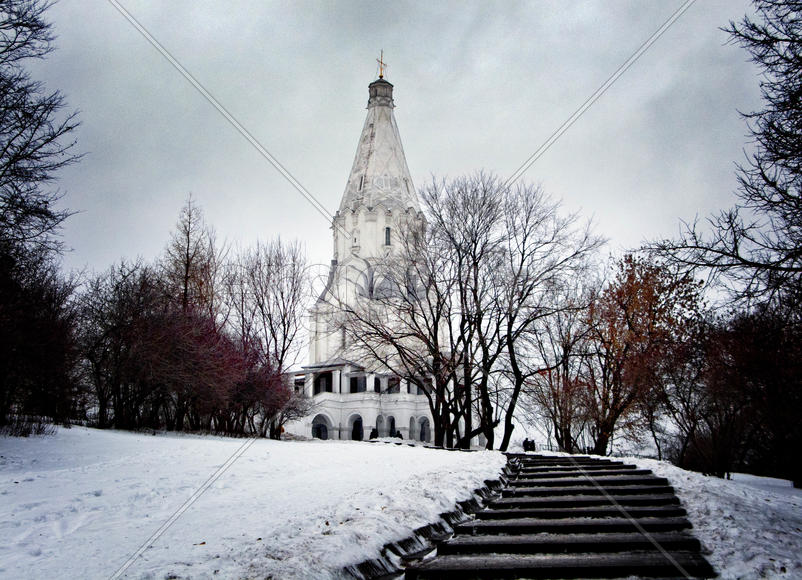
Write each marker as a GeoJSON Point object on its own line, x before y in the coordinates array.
{"type": "Point", "coordinates": [355, 398]}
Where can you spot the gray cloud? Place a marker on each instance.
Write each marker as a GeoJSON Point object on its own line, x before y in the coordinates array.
{"type": "Point", "coordinates": [478, 85]}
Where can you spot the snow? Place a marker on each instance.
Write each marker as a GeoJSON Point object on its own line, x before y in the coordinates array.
{"type": "Point", "coordinates": [750, 526]}
{"type": "Point", "coordinates": [80, 503]}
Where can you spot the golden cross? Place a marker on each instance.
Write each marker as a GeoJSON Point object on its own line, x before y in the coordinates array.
{"type": "Point", "coordinates": [382, 64]}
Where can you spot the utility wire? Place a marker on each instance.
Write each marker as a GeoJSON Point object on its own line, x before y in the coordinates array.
{"type": "Point", "coordinates": [225, 113]}
{"type": "Point", "coordinates": [632, 520]}
{"type": "Point", "coordinates": [595, 96]}
{"type": "Point", "coordinates": [184, 507]}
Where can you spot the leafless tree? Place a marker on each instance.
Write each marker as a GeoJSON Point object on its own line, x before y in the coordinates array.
{"type": "Point", "coordinates": [635, 319]}
{"type": "Point", "coordinates": [35, 137]}
{"type": "Point", "coordinates": [556, 392]}
{"type": "Point", "coordinates": [193, 262]}
{"type": "Point", "coordinates": [469, 293]}
{"type": "Point", "coordinates": [755, 245]}
{"type": "Point", "coordinates": [266, 293]}
{"type": "Point", "coordinates": [546, 253]}
{"type": "Point", "coordinates": [402, 315]}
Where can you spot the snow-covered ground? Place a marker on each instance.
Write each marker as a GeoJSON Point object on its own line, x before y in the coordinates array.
{"type": "Point", "coordinates": [752, 525]}
{"type": "Point", "coordinates": [80, 503]}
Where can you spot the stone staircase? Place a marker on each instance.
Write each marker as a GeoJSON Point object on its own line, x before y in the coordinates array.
{"type": "Point", "coordinates": [572, 517]}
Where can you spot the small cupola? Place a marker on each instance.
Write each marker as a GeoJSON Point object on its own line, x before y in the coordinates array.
{"type": "Point", "coordinates": [381, 94]}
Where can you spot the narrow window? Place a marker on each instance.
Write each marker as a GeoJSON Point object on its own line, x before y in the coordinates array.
{"type": "Point", "coordinates": [386, 236]}
{"type": "Point", "coordinates": [361, 181]}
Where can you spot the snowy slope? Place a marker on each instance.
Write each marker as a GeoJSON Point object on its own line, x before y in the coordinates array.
{"type": "Point", "coordinates": [78, 504]}
{"type": "Point", "coordinates": [752, 525]}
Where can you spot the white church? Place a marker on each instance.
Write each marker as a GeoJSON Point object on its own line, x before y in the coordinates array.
{"type": "Point", "coordinates": [355, 399]}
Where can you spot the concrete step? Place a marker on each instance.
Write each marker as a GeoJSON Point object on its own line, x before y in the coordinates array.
{"type": "Point", "coordinates": [573, 468]}
{"type": "Point", "coordinates": [583, 501]}
{"type": "Point", "coordinates": [671, 511]}
{"type": "Point", "coordinates": [581, 480]}
{"type": "Point", "coordinates": [534, 458]}
{"type": "Point", "coordinates": [568, 543]}
{"type": "Point", "coordinates": [526, 475]}
{"type": "Point", "coordinates": [586, 490]}
{"type": "Point", "coordinates": [541, 461]}
{"type": "Point", "coordinates": [643, 565]}
{"type": "Point", "coordinates": [570, 525]}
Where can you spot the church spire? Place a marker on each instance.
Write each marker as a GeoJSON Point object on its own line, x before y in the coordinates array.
{"type": "Point", "coordinates": [379, 175]}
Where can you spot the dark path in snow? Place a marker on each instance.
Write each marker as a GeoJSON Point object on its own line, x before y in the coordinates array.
{"type": "Point", "coordinates": [572, 517]}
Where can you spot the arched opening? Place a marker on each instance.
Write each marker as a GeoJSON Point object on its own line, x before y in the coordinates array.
{"type": "Point", "coordinates": [320, 427]}
{"type": "Point", "coordinates": [386, 236]}
{"type": "Point", "coordinates": [413, 428]}
{"type": "Point", "coordinates": [381, 428]}
{"type": "Point", "coordinates": [357, 431]}
{"type": "Point", "coordinates": [425, 431]}
{"type": "Point", "coordinates": [390, 426]}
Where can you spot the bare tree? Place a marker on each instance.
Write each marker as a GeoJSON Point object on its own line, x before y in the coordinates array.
{"type": "Point", "coordinates": [756, 244]}
{"type": "Point", "coordinates": [468, 293]}
{"type": "Point", "coordinates": [403, 315]}
{"type": "Point", "coordinates": [556, 391]}
{"type": "Point", "coordinates": [634, 320]}
{"type": "Point", "coordinates": [546, 253]}
{"type": "Point", "coordinates": [35, 137]}
{"type": "Point", "coordinates": [193, 262]}
{"type": "Point", "coordinates": [266, 293]}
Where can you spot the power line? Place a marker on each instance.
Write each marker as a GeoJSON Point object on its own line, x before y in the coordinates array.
{"type": "Point", "coordinates": [596, 95]}
{"type": "Point", "coordinates": [319, 207]}
{"type": "Point", "coordinates": [184, 507]}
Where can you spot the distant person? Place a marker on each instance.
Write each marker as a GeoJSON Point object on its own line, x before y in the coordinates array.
{"type": "Point", "coordinates": [374, 433]}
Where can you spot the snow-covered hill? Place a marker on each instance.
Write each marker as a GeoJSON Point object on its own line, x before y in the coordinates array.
{"type": "Point", "coordinates": [752, 525]}
{"type": "Point", "coordinates": [80, 503]}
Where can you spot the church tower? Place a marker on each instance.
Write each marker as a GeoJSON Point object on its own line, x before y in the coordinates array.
{"type": "Point", "coordinates": [354, 399]}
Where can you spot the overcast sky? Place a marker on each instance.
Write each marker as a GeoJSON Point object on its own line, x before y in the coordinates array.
{"type": "Point", "coordinates": [478, 85]}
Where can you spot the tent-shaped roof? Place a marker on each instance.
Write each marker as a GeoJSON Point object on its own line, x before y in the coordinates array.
{"type": "Point", "coordinates": [380, 175]}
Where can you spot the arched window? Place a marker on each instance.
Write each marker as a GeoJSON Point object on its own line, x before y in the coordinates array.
{"type": "Point", "coordinates": [387, 236]}
{"type": "Point", "coordinates": [357, 433]}
{"type": "Point", "coordinates": [424, 432]}
{"type": "Point", "coordinates": [320, 427]}
{"type": "Point", "coordinates": [381, 429]}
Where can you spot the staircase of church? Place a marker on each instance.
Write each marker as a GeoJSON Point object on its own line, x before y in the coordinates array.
{"type": "Point", "coordinates": [573, 517]}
